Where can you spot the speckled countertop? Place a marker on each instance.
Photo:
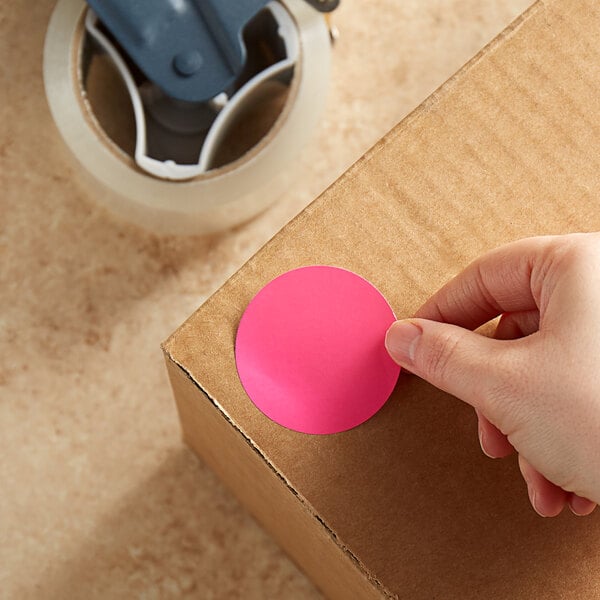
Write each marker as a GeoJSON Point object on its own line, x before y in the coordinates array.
{"type": "Point", "coordinates": [99, 498]}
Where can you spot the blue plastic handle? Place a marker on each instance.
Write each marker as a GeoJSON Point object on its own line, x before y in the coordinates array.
{"type": "Point", "coordinates": [192, 49]}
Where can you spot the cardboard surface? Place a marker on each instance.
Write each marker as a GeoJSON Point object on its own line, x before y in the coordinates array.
{"type": "Point", "coordinates": [508, 148]}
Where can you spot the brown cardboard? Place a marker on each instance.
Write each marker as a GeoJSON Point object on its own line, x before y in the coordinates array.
{"type": "Point", "coordinates": [406, 505]}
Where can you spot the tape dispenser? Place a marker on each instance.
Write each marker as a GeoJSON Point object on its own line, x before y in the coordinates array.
{"type": "Point", "coordinates": [187, 114]}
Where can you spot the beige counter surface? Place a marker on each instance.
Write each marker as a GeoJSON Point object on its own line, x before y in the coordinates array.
{"type": "Point", "coordinates": [99, 498]}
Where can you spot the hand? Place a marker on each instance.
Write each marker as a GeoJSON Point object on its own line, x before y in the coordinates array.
{"type": "Point", "coordinates": [536, 386]}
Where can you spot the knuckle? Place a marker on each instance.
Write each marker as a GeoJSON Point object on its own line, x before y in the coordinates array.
{"type": "Point", "coordinates": [500, 398]}
{"type": "Point", "coordinates": [584, 253]}
{"type": "Point", "coordinates": [507, 392]}
{"type": "Point", "coordinates": [436, 360]}
{"type": "Point", "coordinates": [577, 251]}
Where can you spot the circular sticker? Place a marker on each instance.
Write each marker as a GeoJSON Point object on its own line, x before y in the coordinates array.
{"type": "Point", "coordinates": [310, 350]}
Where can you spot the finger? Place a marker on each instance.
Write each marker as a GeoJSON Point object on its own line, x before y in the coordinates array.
{"type": "Point", "coordinates": [517, 324]}
{"type": "Point", "coordinates": [493, 442]}
{"type": "Point", "coordinates": [547, 499]}
{"type": "Point", "coordinates": [497, 282]}
{"type": "Point", "coordinates": [453, 359]}
{"type": "Point", "coordinates": [581, 506]}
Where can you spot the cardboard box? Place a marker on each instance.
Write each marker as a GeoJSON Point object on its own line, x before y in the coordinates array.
{"type": "Point", "coordinates": [406, 505]}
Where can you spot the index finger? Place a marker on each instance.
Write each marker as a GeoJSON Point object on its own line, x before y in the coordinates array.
{"type": "Point", "coordinates": [497, 282]}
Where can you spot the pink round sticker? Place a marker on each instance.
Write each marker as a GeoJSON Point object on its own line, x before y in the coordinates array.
{"type": "Point", "coordinates": [310, 350]}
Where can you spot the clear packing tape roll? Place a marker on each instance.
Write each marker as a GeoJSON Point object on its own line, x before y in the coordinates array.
{"type": "Point", "coordinates": [212, 201]}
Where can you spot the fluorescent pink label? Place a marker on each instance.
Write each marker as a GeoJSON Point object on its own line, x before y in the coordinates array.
{"type": "Point", "coordinates": [310, 350]}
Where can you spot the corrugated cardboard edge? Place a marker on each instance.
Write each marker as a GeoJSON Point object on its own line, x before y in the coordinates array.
{"type": "Point", "coordinates": [297, 223]}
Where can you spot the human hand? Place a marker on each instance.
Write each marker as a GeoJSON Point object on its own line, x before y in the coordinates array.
{"type": "Point", "coordinates": [536, 386]}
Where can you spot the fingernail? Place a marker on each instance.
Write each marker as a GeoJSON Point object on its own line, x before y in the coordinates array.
{"type": "Point", "coordinates": [401, 341]}
{"type": "Point", "coordinates": [533, 498]}
{"type": "Point", "coordinates": [581, 507]}
{"type": "Point", "coordinates": [482, 442]}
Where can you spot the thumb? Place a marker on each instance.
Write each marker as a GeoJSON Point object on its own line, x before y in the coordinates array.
{"type": "Point", "coordinates": [456, 360]}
